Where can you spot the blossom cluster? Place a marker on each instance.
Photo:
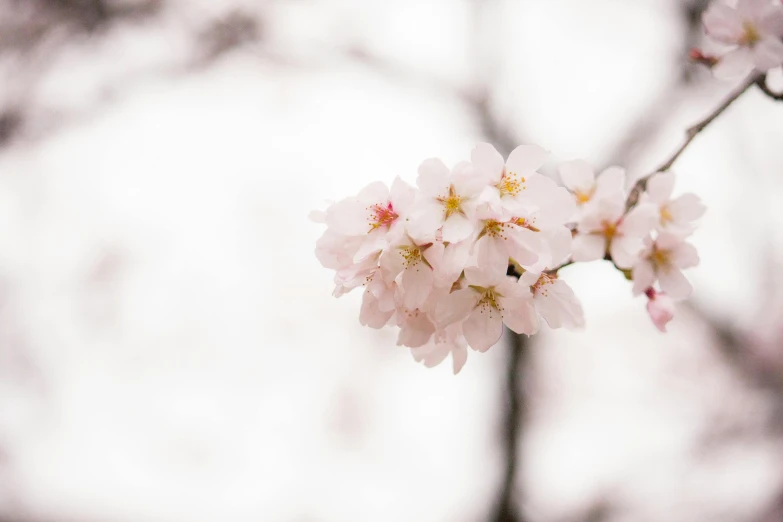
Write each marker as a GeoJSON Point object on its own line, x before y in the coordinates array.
{"type": "Point", "coordinates": [749, 34]}
{"type": "Point", "coordinates": [478, 246]}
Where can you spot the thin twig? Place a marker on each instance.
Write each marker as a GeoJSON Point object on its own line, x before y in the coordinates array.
{"type": "Point", "coordinates": [690, 134]}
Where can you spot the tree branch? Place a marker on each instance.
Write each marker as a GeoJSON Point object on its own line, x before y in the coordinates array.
{"type": "Point", "coordinates": [690, 134]}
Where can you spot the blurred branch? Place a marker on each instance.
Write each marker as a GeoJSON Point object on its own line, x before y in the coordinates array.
{"type": "Point", "coordinates": [505, 508]}
{"type": "Point", "coordinates": [690, 134]}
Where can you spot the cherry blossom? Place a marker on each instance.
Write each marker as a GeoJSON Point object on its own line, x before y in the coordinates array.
{"type": "Point", "coordinates": [753, 29]}
{"type": "Point", "coordinates": [607, 228]}
{"type": "Point", "coordinates": [663, 259]}
{"type": "Point", "coordinates": [579, 178]}
{"type": "Point", "coordinates": [554, 300]}
{"type": "Point", "coordinates": [447, 200]}
{"type": "Point", "coordinates": [447, 341]}
{"type": "Point", "coordinates": [487, 302]}
{"type": "Point", "coordinates": [674, 215]}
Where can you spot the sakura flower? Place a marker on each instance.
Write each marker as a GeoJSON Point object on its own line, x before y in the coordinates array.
{"type": "Point", "coordinates": [674, 215]}
{"type": "Point", "coordinates": [511, 182]}
{"type": "Point", "coordinates": [416, 328]}
{"type": "Point", "coordinates": [411, 264]}
{"type": "Point", "coordinates": [377, 305]}
{"type": "Point", "coordinates": [447, 199]}
{"type": "Point", "coordinates": [607, 228]}
{"type": "Point", "coordinates": [663, 260]}
{"type": "Point", "coordinates": [447, 341]}
{"type": "Point", "coordinates": [554, 300]}
{"type": "Point", "coordinates": [487, 302]}
{"type": "Point", "coordinates": [579, 178]}
{"type": "Point", "coordinates": [498, 241]}
{"type": "Point", "coordinates": [754, 28]}
{"type": "Point", "coordinates": [660, 307]}
{"type": "Point", "coordinates": [373, 214]}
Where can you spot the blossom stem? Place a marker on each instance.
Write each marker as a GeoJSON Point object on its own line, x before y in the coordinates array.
{"type": "Point", "coordinates": [692, 132]}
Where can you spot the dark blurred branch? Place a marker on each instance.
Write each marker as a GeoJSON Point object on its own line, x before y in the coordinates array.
{"type": "Point", "coordinates": [505, 508]}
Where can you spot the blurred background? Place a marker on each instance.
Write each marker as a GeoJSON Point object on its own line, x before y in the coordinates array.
{"type": "Point", "coordinates": [169, 346]}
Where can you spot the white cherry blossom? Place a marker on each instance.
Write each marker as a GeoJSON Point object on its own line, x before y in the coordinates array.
{"type": "Point", "coordinates": [487, 302]}
{"type": "Point", "coordinates": [674, 215]}
{"type": "Point", "coordinates": [554, 300]}
{"type": "Point", "coordinates": [663, 260]}
{"type": "Point", "coordinates": [753, 28]}
{"type": "Point", "coordinates": [447, 341]}
{"type": "Point", "coordinates": [579, 178]}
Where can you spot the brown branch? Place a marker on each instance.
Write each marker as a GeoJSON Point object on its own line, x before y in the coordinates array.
{"type": "Point", "coordinates": [690, 134]}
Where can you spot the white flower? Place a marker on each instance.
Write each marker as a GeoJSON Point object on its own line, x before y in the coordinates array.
{"type": "Point", "coordinates": [447, 199]}
{"type": "Point", "coordinates": [754, 28]}
{"type": "Point", "coordinates": [579, 178]}
{"type": "Point", "coordinates": [674, 215]}
{"type": "Point", "coordinates": [375, 214]}
{"type": "Point", "coordinates": [487, 302]}
{"type": "Point", "coordinates": [663, 260]}
{"type": "Point", "coordinates": [416, 328]}
{"type": "Point", "coordinates": [445, 342]}
{"type": "Point", "coordinates": [607, 228]}
{"type": "Point", "coordinates": [554, 300]}
{"type": "Point", "coordinates": [411, 263]}
{"type": "Point", "coordinates": [513, 182]}
{"type": "Point", "coordinates": [661, 308]}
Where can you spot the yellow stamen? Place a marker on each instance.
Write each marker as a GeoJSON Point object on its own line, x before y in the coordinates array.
{"type": "Point", "coordinates": [451, 203]}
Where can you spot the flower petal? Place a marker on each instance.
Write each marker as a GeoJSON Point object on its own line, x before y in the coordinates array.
{"type": "Point", "coordinates": [520, 316]}
{"type": "Point", "coordinates": [625, 250]}
{"type": "Point", "coordinates": [643, 276]}
{"type": "Point", "coordinates": [457, 228]}
{"type": "Point", "coordinates": [768, 53]}
{"type": "Point", "coordinates": [577, 175]}
{"type": "Point", "coordinates": [660, 186]}
{"type": "Point", "coordinates": [416, 283]}
{"type": "Point", "coordinates": [723, 23]}
{"type": "Point", "coordinates": [526, 159]}
{"type": "Point", "coordinates": [433, 178]}
{"type": "Point", "coordinates": [456, 306]}
{"type": "Point", "coordinates": [674, 283]}
{"type": "Point", "coordinates": [487, 160]}
{"type": "Point", "coordinates": [483, 329]}
{"type": "Point", "coordinates": [734, 64]}
{"type": "Point", "coordinates": [588, 247]}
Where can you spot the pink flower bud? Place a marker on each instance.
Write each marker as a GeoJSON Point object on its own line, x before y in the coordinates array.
{"type": "Point", "coordinates": [660, 307]}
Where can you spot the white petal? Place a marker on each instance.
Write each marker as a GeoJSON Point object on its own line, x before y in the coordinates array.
{"type": "Point", "coordinates": [402, 196]}
{"type": "Point", "coordinates": [685, 256]}
{"type": "Point", "coordinates": [752, 9]}
{"type": "Point", "coordinates": [374, 193]}
{"type": "Point", "coordinates": [487, 160]}
{"type": "Point", "coordinates": [643, 276]}
{"type": "Point", "coordinates": [734, 64]}
{"type": "Point", "coordinates": [526, 159]}
{"type": "Point", "coordinates": [610, 183]}
{"type": "Point", "coordinates": [588, 247]}
{"type": "Point", "coordinates": [456, 228]}
{"type": "Point", "coordinates": [768, 53]}
{"type": "Point", "coordinates": [456, 306]}
{"type": "Point", "coordinates": [674, 283]}
{"type": "Point", "coordinates": [524, 246]}
{"type": "Point", "coordinates": [686, 208]}
{"type": "Point", "coordinates": [492, 255]}
{"type": "Point", "coordinates": [482, 329]}
{"type": "Point", "coordinates": [459, 355]}
{"type": "Point", "coordinates": [639, 221]}
{"type": "Point", "coordinates": [772, 21]}
{"type": "Point", "coordinates": [660, 186]}
{"type": "Point", "coordinates": [370, 315]}
{"type": "Point", "coordinates": [349, 217]}
{"type": "Point", "coordinates": [625, 250]}
{"type": "Point", "coordinates": [559, 241]}
{"type": "Point", "coordinates": [520, 316]}
{"type": "Point", "coordinates": [433, 178]}
{"type": "Point", "coordinates": [426, 219]}
{"type": "Point", "coordinates": [416, 284]}
{"type": "Point", "coordinates": [577, 175]}
{"type": "Point", "coordinates": [484, 276]}
{"type": "Point", "coordinates": [723, 23]}
{"type": "Point", "coordinates": [416, 332]}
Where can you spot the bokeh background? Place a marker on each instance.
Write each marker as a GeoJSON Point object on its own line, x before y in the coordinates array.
{"type": "Point", "coordinates": [169, 346]}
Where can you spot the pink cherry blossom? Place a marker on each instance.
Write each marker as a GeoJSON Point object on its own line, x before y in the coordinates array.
{"type": "Point", "coordinates": [607, 228]}
{"type": "Point", "coordinates": [663, 260]}
{"type": "Point", "coordinates": [661, 308]}
{"type": "Point", "coordinates": [554, 300]}
{"type": "Point", "coordinates": [579, 178]}
{"type": "Point", "coordinates": [411, 263]}
{"type": "Point", "coordinates": [373, 214]}
{"type": "Point", "coordinates": [488, 301]}
{"type": "Point", "coordinates": [674, 215]}
{"type": "Point", "coordinates": [510, 183]}
{"type": "Point", "coordinates": [753, 28]}
{"type": "Point", "coordinates": [447, 201]}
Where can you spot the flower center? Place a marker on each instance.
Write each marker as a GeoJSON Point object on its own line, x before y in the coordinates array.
{"type": "Point", "coordinates": [489, 299]}
{"type": "Point", "coordinates": [451, 203]}
{"type": "Point", "coordinates": [526, 223]}
{"type": "Point", "coordinates": [511, 184]}
{"type": "Point", "coordinates": [660, 257]}
{"type": "Point", "coordinates": [609, 230]}
{"type": "Point", "coordinates": [411, 255]}
{"type": "Point", "coordinates": [583, 197]}
{"type": "Point", "coordinates": [382, 216]}
{"type": "Point", "coordinates": [495, 228]}
{"type": "Point", "coordinates": [666, 215]}
{"type": "Point", "coordinates": [750, 34]}
{"type": "Point", "coordinates": [540, 286]}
